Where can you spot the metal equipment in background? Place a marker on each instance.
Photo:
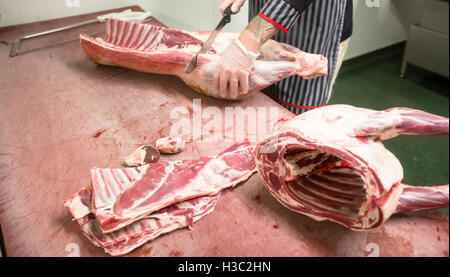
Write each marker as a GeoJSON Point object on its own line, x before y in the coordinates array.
{"type": "Point", "coordinates": [125, 15]}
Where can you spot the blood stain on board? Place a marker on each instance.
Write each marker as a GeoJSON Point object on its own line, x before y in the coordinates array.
{"type": "Point", "coordinates": [189, 108]}
{"type": "Point", "coordinates": [276, 226]}
{"type": "Point", "coordinates": [55, 233]}
{"type": "Point", "coordinates": [141, 251]}
{"type": "Point", "coordinates": [99, 133]}
{"type": "Point", "coordinates": [175, 253]}
{"type": "Point", "coordinates": [257, 198]}
{"type": "Point", "coordinates": [215, 251]}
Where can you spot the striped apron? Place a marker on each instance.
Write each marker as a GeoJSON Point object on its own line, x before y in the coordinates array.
{"type": "Point", "coordinates": [318, 30]}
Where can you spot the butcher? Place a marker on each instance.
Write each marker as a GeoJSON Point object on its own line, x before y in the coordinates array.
{"type": "Point", "coordinates": [315, 26]}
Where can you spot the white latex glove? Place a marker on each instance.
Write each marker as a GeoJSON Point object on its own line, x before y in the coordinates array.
{"type": "Point", "coordinates": [230, 77]}
{"type": "Point", "coordinates": [236, 5]}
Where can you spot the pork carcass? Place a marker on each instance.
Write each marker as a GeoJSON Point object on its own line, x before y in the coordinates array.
{"type": "Point", "coordinates": [329, 163]}
{"type": "Point", "coordinates": [160, 50]}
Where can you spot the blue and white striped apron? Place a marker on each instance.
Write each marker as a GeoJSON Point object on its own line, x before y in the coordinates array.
{"type": "Point", "coordinates": [318, 30]}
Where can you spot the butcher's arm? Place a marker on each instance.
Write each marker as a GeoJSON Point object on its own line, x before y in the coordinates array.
{"type": "Point", "coordinates": [275, 15]}
{"type": "Point", "coordinates": [231, 76]}
{"type": "Point", "coordinates": [257, 32]}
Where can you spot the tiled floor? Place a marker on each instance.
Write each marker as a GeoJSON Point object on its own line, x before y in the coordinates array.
{"type": "Point", "coordinates": [373, 81]}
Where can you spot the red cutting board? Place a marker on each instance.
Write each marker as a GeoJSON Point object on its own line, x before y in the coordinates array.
{"type": "Point", "coordinates": [61, 114]}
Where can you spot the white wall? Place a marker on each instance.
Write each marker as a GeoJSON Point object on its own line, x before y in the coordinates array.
{"type": "Point", "coordinates": [378, 27]}
{"type": "Point", "coordinates": [195, 15]}
{"type": "Point", "coordinates": [374, 28]}
{"type": "Point", "coordinates": [182, 14]}
{"type": "Point", "coordinates": [25, 11]}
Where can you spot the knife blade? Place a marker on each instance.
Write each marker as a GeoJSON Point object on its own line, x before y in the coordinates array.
{"type": "Point", "coordinates": [207, 45]}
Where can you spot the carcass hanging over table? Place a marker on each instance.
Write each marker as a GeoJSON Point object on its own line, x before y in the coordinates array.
{"type": "Point", "coordinates": [330, 164]}
{"type": "Point", "coordinates": [160, 50]}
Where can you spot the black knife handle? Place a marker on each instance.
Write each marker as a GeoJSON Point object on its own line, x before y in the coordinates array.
{"type": "Point", "coordinates": [227, 14]}
{"type": "Point", "coordinates": [225, 19]}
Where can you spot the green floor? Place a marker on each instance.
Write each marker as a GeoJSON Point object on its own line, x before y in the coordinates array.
{"type": "Point", "coordinates": [373, 81]}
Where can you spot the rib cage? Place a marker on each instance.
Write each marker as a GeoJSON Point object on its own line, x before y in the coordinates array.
{"type": "Point", "coordinates": [338, 190]}
{"type": "Point", "coordinates": [145, 38]}
{"type": "Point", "coordinates": [330, 164]}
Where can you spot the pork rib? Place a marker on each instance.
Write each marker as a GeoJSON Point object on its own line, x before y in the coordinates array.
{"type": "Point", "coordinates": [121, 197]}
{"type": "Point", "coordinates": [160, 50]}
{"type": "Point", "coordinates": [330, 164]}
{"type": "Point", "coordinates": [125, 240]}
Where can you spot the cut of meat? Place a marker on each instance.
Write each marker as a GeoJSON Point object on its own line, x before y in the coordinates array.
{"type": "Point", "coordinates": [181, 204]}
{"type": "Point", "coordinates": [123, 196]}
{"type": "Point", "coordinates": [170, 145]}
{"type": "Point", "coordinates": [329, 163]}
{"type": "Point", "coordinates": [123, 241]}
{"type": "Point", "coordinates": [160, 50]}
{"type": "Point", "coordinates": [143, 155]}
{"type": "Point", "coordinates": [94, 214]}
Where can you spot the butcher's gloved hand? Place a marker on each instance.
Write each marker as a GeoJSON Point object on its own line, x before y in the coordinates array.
{"type": "Point", "coordinates": [236, 5]}
{"type": "Point", "coordinates": [230, 77]}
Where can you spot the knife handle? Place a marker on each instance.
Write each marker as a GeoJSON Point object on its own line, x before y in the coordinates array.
{"type": "Point", "coordinates": [225, 19]}
{"type": "Point", "coordinates": [227, 13]}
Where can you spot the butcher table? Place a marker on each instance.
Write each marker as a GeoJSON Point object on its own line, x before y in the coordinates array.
{"type": "Point", "coordinates": [61, 114]}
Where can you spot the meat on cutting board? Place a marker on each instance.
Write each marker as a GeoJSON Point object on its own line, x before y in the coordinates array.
{"type": "Point", "coordinates": [160, 50]}
{"type": "Point", "coordinates": [143, 155]}
{"type": "Point", "coordinates": [330, 164]}
{"type": "Point", "coordinates": [123, 241]}
{"type": "Point", "coordinates": [182, 206]}
{"type": "Point", "coordinates": [120, 198]}
{"type": "Point", "coordinates": [170, 145]}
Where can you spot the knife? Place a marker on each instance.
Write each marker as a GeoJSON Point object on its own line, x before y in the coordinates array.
{"type": "Point", "coordinates": [205, 48]}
